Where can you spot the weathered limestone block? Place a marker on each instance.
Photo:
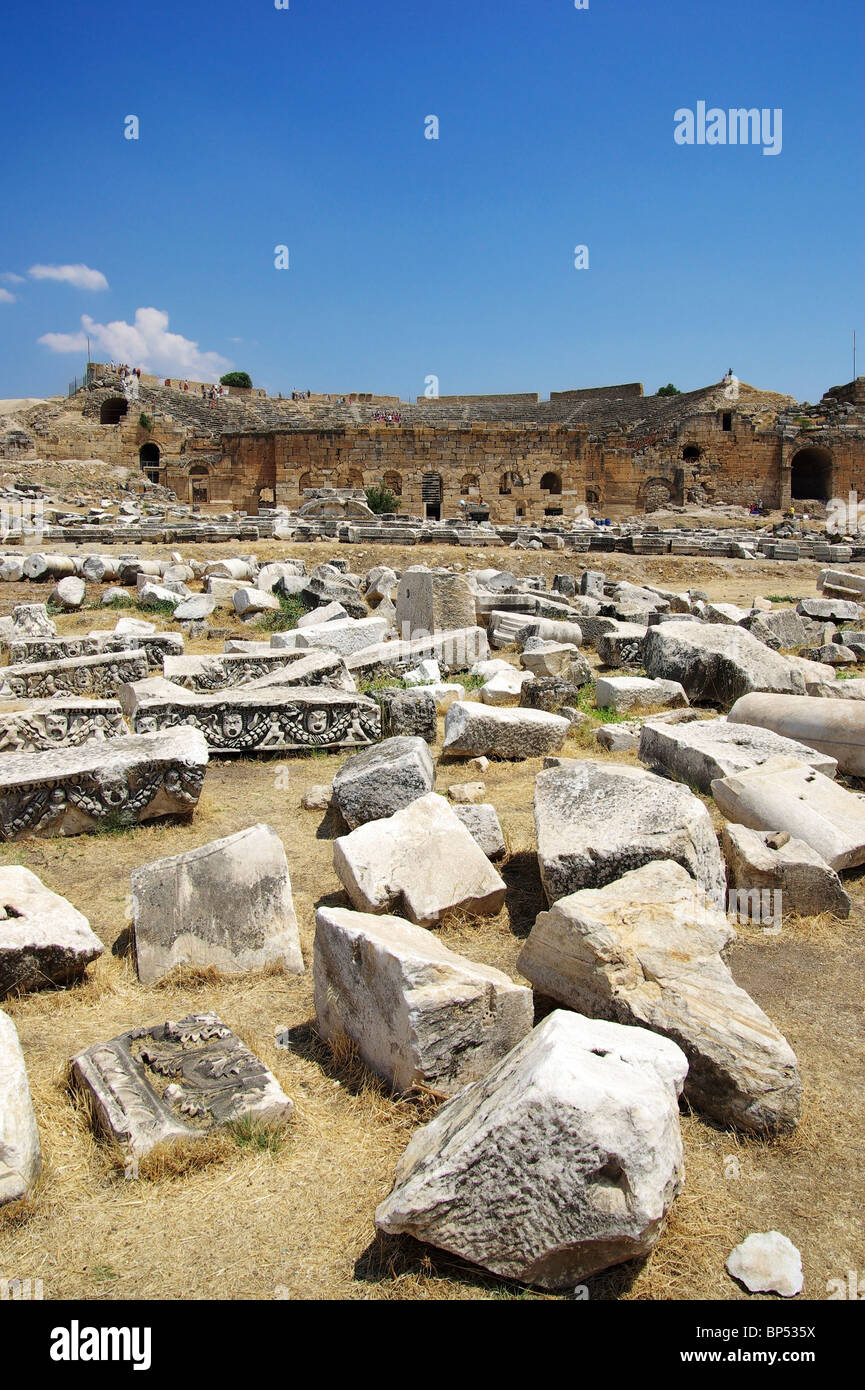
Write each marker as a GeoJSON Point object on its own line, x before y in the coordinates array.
{"type": "Point", "coordinates": [717, 664]}
{"type": "Point", "coordinates": [562, 1161]}
{"type": "Point", "coordinates": [709, 748]}
{"type": "Point", "coordinates": [410, 713]}
{"type": "Point", "coordinates": [503, 733]}
{"type": "Point", "coordinates": [421, 1015]}
{"type": "Point", "coordinates": [835, 728]}
{"type": "Point", "coordinates": [545, 658]}
{"type": "Point", "coordinates": [69, 592]}
{"type": "Point", "coordinates": [622, 645]}
{"type": "Point", "coordinates": [837, 690]}
{"type": "Point", "coordinates": [100, 675]}
{"type": "Point", "coordinates": [156, 646]}
{"type": "Point", "coordinates": [503, 690]}
{"type": "Point", "coordinates": [422, 860]}
{"type": "Point", "coordinates": [44, 940]}
{"type": "Point", "coordinates": [829, 610]}
{"type": "Point", "coordinates": [550, 693]}
{"type": "Point", "coordinates": [454, 651]}
{"type": "Point", "coordinates": [595, 821]}
{"type": "Point", "coordinates": [226, 905]}
{"type": "Point", "coordinates": [783, 794]}
{"type": "Point", "coordinates": [122, 780]}
{"type": "Point", "coordinates": [646, 950]}
{"type": "Point", "coordinates": [484, 826]}
{"type": "Point", "coordinates": [154, 595]}
{"type": "Point", "coordinates": [32, 620]}
{"type": "Point", "coordinates": [327, 613]}
{"type": "Point", "coordinates": [382, 780]}
{"type": "Point", "coordinates": [637, 692]}
{"type": "Point", "coordinates": [782, 629]}
{"type": "Point", "coordinates": [249, 601]}
{"type": "Point", "coordinates": [761, 860]}
{"type": "Point", "coordinates": [767, 1262]}
{"type": "Point", "coordinates": [226, 672]}
{"type": "Point", "coordinates": [213, 1080]}
{"type": "Point", "coordinates": [429, 601]}
{"type": "Point", "coordinates": [248, 719]}
{"type": "Point", "coordinates": [20, 1155]}
{"type": "Point", "coordinates": [64, 722]}
{"type": "Point", "coordinates": [345, 635]}
{"type": "Point", "coordinates": [195, 609]}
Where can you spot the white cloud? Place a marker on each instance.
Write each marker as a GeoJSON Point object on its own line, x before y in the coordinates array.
{"type": "Point", "coordinates": [81, 276]}
{"type": "Point", "coordinates": [11, 278]}
{"type": "Point", "coordinates": [145, 343]}
{"type": "Point", "coordinates": [6, 297]}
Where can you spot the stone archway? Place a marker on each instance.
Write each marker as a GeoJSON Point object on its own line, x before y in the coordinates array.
{"type": "Point", "coordinates": [148, 461]}
{"type": "Point", "coordinates": [811, 475]}
{"type": "Point", "coordinates": [112, 411]}
{"type": "Point", "coordinates": [552, 484]}
{"type": "Point", "coordinates": [659, 493]}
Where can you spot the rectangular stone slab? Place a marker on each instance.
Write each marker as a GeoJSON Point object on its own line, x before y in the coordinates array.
{"type": "Point", "coordinates": [454, 651]}
{"type": "Point", "coordinates": [785, 795]}
{"type": "Point", "coordinates": [156, 646]}
{"type": "Point", "coordinates": [176, 1081]}
{"type": "Point", "coordinates": [121, 780]}
{"type": "Point", "coordinates": [64, 722]}
{"type": "Point", "coordinates": [44, 940]}
{"type": "Point", "coordinates": [224, 672]}
{"type": "Point", "coordinates": [98, 675]}
{"type": "Point", "coordinates": [710, 748]}
{"type": "Point", "coordinates": [248, 720]}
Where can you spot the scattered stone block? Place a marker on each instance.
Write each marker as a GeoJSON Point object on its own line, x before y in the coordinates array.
{"type": "Point", "coordinates": [646, 950]}
{"type": "Point", "coordinates": [248, 719]}
{"type": "Point", "coordinates": [762, 860]}
{"type": "Point", "coordinates": [379, 781]}
{"type": "Point", "coordinates": [422, 860]}
{"type": "Point", "coordinates": [467, 793]}
{"type": "Point", "coordinates": [598, 1104]}
{"type": "Point", "coordinates": [226, 906]}
{"type": "Point", "coordinates": [411, 714]}
{"type": "Point", "coordinates": [20, 1155]}
{"type": "Point", "coordinates": [767, 1262]}
{"type": "Point", "coordinates": [430, 601]}
{"type": "Point", "coordinates": [483, 825]}
{"type": "Point", "coordinates": [122, 781]}
{"type": "Point", "coordinates": [623, 693]}
{"type": "Point", "coordinates": [717, 664]}
{"type": "Point", "coordinates": [44, 940]}
{"type": "Point", "coordinates": [69, 593]}
{"type": "Point", "coordinates": [100, 675]}
{"type": "Point", "coordinates": [783, 794]}
{"type": "Point", "coordinates": [595, 821]}
{"type": "Point", "coordinates": [503, 733]}
{"type": "Point", "coordinates": [317, 797]}
{"type": "Point", "coordinates": [64, 722]}
{"type": "Point", "coordinates": [699, 753]}
{"type": "Point", "coordinates": [420, 1014]}
{"type": "Point", "coordinates": [213, 1080]}
{"type": "Point", "coordinates": [835, 728]}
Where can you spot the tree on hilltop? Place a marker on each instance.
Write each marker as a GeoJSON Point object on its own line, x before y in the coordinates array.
{"type": "Point", "coordinates": [236, 379]}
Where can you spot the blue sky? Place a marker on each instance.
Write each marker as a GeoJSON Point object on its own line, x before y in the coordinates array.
{"type": "Point", "coordinates": [412, 257]}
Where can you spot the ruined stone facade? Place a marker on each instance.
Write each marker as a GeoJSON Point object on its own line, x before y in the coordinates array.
{"type": "Point", "coordinates": [609, 451]}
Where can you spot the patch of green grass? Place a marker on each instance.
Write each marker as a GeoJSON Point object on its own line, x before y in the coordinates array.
{"type": "Point", "coordinates": [382, 681]}
{"type": "Point", "coordinates": [284, 619]}
{"type": "Point", "coordinates": [162, 608]}
{"type": "Point", "coordinates": [115, 823]}
{"type": "Point", "coordinates": [604, 714]}
{"type": "Point", "coordinates": [249, 1133]}
{"type": "Point", "coordinates": [121, 601]}
{"type": "Point", "coordinates": [103, 1272]}
{"type": "Point", "coordinates": [467, 680]}
{"type": "Point", "coordinates": [782, 598]}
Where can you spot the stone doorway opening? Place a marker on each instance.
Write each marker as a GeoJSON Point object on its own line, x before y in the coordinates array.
{"type": "Point", "coordinates": [431, 495]}
{"type": "Point", "coordinates": [113, 410]}
{"type": "Point", "coordinates": [199, 486]}
{"type": "Point", "coordinates": [811, 475]}
{"type": "Point", "coordinates": [148, 461]}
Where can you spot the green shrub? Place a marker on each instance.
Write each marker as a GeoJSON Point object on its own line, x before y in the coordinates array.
{"type": "Point", "coordinates": [145, 421]}
{"type": "Point", "coordinates": [668, 390]}
{"type": "Point", "coordinates": [380, 499]}
{"type": "Point", "coordinates": [285, 618]}
{"type": "Point", "coordinates": [236, 379]}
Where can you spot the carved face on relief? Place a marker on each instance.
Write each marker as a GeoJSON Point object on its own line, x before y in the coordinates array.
{"type": "Point", "coordinates": [232, 725]}
{"type": "Point", "coordinates": [316, 721]}
{"type": "Point", "coordinates": [56, 727]}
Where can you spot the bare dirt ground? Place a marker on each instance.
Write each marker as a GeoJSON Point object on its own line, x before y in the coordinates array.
{"type": "Point", "coordinates": [294, 1219]}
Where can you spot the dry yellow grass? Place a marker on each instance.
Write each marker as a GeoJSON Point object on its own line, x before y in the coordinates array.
{"type": "Point", "coordinates": [241, 1217]}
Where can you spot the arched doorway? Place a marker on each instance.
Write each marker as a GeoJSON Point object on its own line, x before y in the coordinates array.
{"type": "Point", "coordinates": [691, 453]}
{"type": "Point", "coordinates": [659, 493]}
{"type": "Point", "coordinates": [113, 410]}
{"type": "Point", "coordinates": [148, 461]}
{"type": "Point", "coordinates": [431, 494]}
{"type": "Point", "coordinates": [199, 486]}
{"type": "Point", "coordinates": [470, 485]}
{"type": "Point", "coordinates": [811, 475]}
{"type": "Point", "coordinates": [552, 483]}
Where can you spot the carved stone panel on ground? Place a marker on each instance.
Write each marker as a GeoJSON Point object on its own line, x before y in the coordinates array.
{"type": "Point", "coordinates": [176, 1080]}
